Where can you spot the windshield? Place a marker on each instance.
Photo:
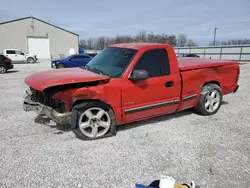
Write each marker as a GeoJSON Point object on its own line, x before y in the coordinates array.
{"type": "Point", "coordinates": [69, 57]}
{"type": "Point", "coordinates": [112, 61]}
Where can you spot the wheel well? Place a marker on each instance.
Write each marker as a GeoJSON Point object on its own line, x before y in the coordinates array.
{"type": "Point", "coordinates": [212, 82]}
{"type": "Point", "coordinates": [93, 100]}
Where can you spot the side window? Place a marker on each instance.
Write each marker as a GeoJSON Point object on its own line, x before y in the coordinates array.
{"type": "Point", "coordinates": [85, 56]}
{"type": "Point", "coordinates": [10, 52]}
{"type": "Point", "coordinates": [155, 62]}
{"type": "Point", "coordinates": [18, 52]}
{"type": "Point", "coordinates": [77, 57]}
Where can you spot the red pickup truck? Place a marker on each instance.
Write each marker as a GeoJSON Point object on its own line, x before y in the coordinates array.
{"type": "Point", "coordinates": [126, 83]}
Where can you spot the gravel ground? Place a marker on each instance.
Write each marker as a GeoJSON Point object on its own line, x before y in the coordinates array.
{"type": "Point", "coordinates": [213, 151]}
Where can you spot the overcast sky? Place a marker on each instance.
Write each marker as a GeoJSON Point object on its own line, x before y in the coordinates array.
{"type": "Point", "coordinates": [196, 18]}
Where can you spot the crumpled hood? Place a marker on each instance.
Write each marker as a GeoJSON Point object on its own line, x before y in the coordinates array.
{"type": "Point", "coordinates": [44, 79]}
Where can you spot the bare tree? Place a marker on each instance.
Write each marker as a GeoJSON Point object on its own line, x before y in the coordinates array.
{"type": "Point", "coordinates": [100, 43]}
{"type": "Point", "coordinates": [83, 44]}
{"type": "Point", "coordinates": [182, 40]}
{"type": "Point", "coordinates": [141, 36]}
{"type": "Point", "coordinates": [191, 43]}
{"type": "Point", "coordinates": [90, 42]}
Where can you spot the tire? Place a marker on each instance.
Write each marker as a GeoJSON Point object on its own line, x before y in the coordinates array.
{"type": "Point", "coordinates": [2, 69]}
{"type": "Point", "coordinates": [210, 100]}
{"type": "Point", "coordinates": [60, 66]}
{"type": "Point", "coordinates": [31, 60]}
{"type": "Point", "coordinates": [93, 127]}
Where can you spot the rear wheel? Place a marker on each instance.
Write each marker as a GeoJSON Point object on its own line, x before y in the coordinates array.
{"type": "Point", "coordinates": [31, 60]}
{"type": "Point", "coordinates": [60, 66]}
{"type": "Point", "coordinates": [93, 120]}
{"type": "Point", "coordinates": [2, 69]}
{"type": "Point", "coordinates": [210, 100]}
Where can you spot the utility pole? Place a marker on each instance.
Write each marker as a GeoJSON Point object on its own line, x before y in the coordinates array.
{"type": "Point", "coordinates": [215, 34]}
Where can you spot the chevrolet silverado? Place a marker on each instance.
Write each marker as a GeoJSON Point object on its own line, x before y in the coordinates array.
{"type": "Point", "coordinates": [126, 83]}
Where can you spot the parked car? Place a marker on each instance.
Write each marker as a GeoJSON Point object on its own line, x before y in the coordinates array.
{"type": "Point", "coordinates": [189, 55]}
{"type": "Point", "coordinates": [91, 54]}
{"type": "Point", "coordinates": [126, 83]}
{"type": "Point", "coordinates": [5, 64]}
{"type": "Point", "coordinates": [18, 56]}
{"type": "Point", "coordinates": [71, 61]}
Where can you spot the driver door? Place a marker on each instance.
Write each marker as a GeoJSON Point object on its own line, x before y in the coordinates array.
{"type": "Point", "coordinates": [20, 56]}
{"type": "Point", "coordinates": [74, 61]}
{"type": "Point", "coordinates": [157, 95]}
{"type": "Point", "coordinates": [80, 60]}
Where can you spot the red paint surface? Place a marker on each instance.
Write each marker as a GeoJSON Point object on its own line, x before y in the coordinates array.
{"type": "Point", "coordinates": [197, 63]}
{"type": "Point", "coordinates": [188, 75]}
{"type": "Point", "coordinates": [44, 79]}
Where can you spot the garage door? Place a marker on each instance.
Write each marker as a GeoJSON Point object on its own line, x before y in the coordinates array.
{"type": "Point", "coordinates": [39, 47]}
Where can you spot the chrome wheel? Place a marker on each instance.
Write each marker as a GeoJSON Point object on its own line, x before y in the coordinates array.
{"type": "Point", "coordinates": [94, 122]}
{"type": "Point", "coordinates": [212, 101]}
{"type": "Point", "coordinates": [2, 69]}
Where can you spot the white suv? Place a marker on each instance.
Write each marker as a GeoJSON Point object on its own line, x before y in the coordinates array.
{"type": "Point", "coordinates": [17, 56]}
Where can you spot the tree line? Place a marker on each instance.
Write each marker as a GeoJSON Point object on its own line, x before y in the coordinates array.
{"type": "Point", "coordinates": [101, 42]}
{"type": "Point", "coordinates": [231, 42]}
{"type": "Point", "coordinates": [181, 40]}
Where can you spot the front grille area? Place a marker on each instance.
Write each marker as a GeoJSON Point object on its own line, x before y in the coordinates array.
{"type": "Point", "coordinates": [45, 98]}
{"type": "Point", "coordinates": [38, 96]}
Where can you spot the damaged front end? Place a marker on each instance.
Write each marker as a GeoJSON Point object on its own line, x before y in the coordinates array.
{"type": "Point", "coordinates": [56, 102]}
{"type": "Point", "coordinates": [43, 104]}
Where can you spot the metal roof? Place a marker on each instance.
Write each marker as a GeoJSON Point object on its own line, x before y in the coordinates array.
{"type": "Point", "coordinates": [38, 20]}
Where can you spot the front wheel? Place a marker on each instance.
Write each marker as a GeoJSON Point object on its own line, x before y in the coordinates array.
{"type": "Point", "coordinates": [31, 60]}
{"type": "Point", "coordinates": [210, 100]}
{"type": "Point", "coordinates": [60, 66]}
{"type": "Point", "coordinates": [93, 120]}
{"type": "Point", "coordinates": [2, 69]}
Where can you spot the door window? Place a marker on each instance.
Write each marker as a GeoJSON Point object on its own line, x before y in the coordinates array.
{"type": "Point", "coordinates": [19, 52]}
{"type": "Point", "coordinates": [155, 62]}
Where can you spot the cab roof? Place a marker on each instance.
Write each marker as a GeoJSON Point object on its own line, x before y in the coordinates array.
{"type": "Point", "coordinates": [138, 46]}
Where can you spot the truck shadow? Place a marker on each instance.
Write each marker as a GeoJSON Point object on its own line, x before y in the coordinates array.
{"type": "Point", "coordinates": [66, 127]}
{"type": "Point", "coordinates": [158, 119]}
{"type": "Point", "coordinates": [162, 118]}
{"type": "Point", "coordinates": [48, 122]}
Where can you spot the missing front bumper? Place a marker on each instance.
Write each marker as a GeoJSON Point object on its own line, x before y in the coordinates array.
{"type": "Point", "coordinates": [60, 118]}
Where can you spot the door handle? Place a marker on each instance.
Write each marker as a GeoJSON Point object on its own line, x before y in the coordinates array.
{"type": "Point", "coordinates": [169, 84]}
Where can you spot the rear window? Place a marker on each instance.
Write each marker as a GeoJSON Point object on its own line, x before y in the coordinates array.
{"type": "Point", "coordinates": [10, 52]}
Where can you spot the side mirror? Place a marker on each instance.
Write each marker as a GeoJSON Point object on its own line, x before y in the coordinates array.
{"type": "Point", "coordinates": [138, 75]}
{"type": "Point", "coordinates": [69, 59]}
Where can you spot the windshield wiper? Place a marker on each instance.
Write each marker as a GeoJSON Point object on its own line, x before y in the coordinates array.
{"type": "Point", "coordinates": [95, 70]}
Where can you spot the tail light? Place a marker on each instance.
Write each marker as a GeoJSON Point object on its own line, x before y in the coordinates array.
{"type": "Point", "coordinates": [7, 60]}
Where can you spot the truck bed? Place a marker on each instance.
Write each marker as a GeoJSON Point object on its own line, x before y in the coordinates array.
{"type": "Point", "coordinates": [198, 63]}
